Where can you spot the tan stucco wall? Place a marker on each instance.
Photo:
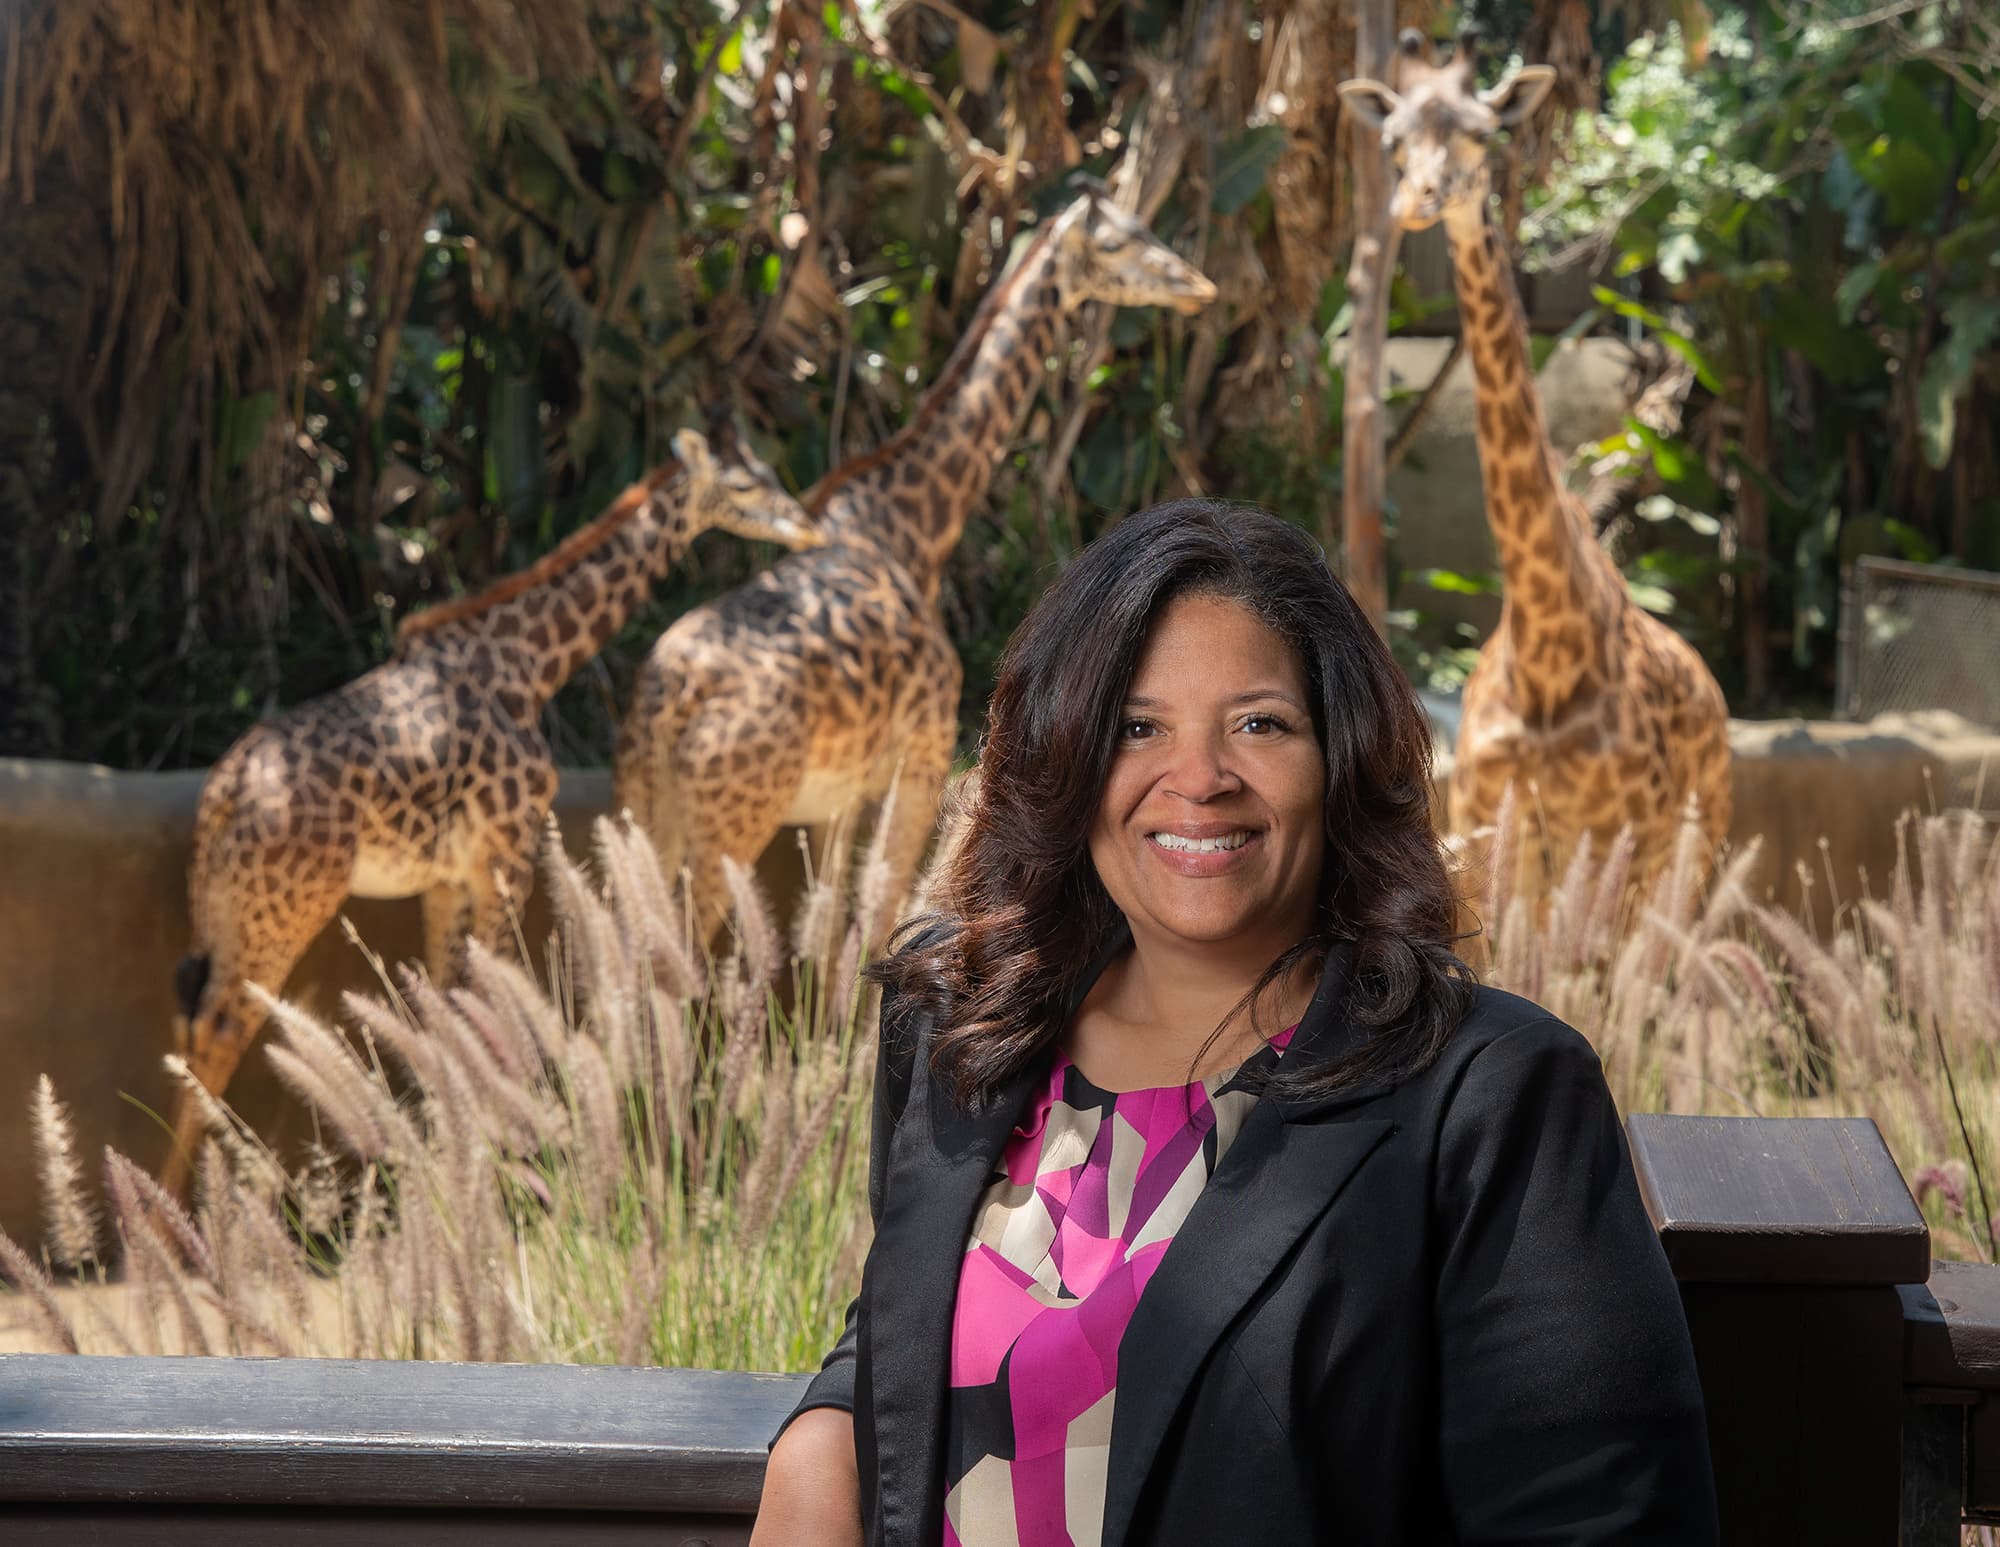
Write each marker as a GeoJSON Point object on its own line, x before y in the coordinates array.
{"type": "Point", "coordinates": [93, 907]}
{"type": "Point", "coordinates": [1797, 781]}
{"type": "Point", "coordinates": [93, 917]}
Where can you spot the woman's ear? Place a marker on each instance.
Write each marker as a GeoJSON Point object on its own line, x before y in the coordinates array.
{"type": "Point", "coordinates": [1369, 101]}
{"type": "Point", "coordinates": [1515, 97]}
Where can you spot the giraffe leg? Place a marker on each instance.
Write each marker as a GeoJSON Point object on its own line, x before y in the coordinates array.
{"type": "Point", "coordinates": [643, 773]}
{"type": "Point", "coordinates": [485, 907]}
{"type": "Point", "coordinates": [634, 763]}
{"type": "Point", "coordinates": [735, 818]}
{"type": "Point", "coordinates": [447, 919]}
{"type": "Point", "coordinates": [919, 782]}
{"type": "Point", "coordinates": [267, 935]}
{"type": "Point", "coordinates": [500, 892]}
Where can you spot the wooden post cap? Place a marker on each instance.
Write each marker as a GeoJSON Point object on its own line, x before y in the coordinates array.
{"type": "Point", "coordinates": [1778, 1200]}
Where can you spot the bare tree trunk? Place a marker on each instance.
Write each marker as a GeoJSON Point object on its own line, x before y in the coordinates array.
{"type": "Point", "coordinates": [1369, 271]}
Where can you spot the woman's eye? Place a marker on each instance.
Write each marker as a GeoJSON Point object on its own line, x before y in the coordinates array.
{"type": "Point", "coordinates": [1135, 730]}
{"type": "Point", "coordinates": [1264, 725]}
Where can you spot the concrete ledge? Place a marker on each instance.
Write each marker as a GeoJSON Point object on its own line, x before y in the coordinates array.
{"type": "Point", "coordinates": [1797, 781]}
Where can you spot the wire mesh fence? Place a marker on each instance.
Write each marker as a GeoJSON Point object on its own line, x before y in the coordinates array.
{"type": "Point", "coordinates": [1919, 636]}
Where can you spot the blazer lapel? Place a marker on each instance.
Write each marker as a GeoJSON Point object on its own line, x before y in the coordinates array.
{"type": "Point", "coordinates": [1289, 1162]}
{"type": "Point", "coordinates": [940, 1159]}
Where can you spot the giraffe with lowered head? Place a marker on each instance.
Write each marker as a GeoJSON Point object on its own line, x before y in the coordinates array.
{"type": "Point", "coordinates": [1597, 714]}
{"type": "Point", "coordinates": [830, 678]}
{"type": "Point", "coordinates": [428, 776]}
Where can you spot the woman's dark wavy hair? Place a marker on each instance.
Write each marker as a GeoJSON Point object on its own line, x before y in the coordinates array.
{"type": "Point", "coordinates": [1023, 913]}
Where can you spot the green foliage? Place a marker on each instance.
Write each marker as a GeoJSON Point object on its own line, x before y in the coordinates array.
{"type": "Point", "coordinates": [1811, 216]}
{"type": "Point", "coordinates": [639, 246]}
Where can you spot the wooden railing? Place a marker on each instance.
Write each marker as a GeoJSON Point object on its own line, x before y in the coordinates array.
{"type": "Point", "coordinates": [1852, 1385]}
{"type": "Point", "coordinates": [235, 1452]}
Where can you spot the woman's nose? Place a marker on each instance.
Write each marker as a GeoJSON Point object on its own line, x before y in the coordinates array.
{"type": "Point", "coordinates": [1202, 771]}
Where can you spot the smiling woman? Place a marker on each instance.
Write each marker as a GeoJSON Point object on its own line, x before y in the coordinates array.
{"type": "Point", "coordinates": [1210, 1194]}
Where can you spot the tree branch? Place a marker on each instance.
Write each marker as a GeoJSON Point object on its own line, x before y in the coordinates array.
{"type": "Point", "coordinates": [1413, 421]}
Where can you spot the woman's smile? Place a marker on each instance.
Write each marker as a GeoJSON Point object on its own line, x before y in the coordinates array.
{"type": "Point", "coordinates": [1203, 848]}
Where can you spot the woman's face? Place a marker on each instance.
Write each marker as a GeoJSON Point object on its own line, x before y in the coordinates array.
{"type": "Point", "coordinates": [1211, 828]}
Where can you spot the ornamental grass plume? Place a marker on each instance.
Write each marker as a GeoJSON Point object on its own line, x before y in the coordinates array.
{"type": "Point", "coordinates": [1709, 1000]}
{"type": "Point", "coordinates": [636, 1158]}
{"type": "Point", "coordinates": [34, 1290]}
{"type": "Point", "coordinates": [71, 1221]}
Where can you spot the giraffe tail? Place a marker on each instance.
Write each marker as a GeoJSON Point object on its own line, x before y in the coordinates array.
{"type": "Point", "coordinates": [191, 982]}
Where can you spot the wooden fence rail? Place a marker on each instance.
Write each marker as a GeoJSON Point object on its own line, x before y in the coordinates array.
{"type": "Point", "coordinates": [229, 1451]}
{"type": "Point", "coordinates": [1852, 1387]}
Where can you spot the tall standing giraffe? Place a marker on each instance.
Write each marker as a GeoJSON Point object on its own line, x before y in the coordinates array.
{"type": "Point", "coordinates": [429, 775]}
{"type": "Point", "coordinates": [830, 678]}
{"type": "Point", "coordinates": [1595, 712]}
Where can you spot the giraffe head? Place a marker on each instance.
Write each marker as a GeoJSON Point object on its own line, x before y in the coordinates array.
{"type": "Point", "coordinates": [1108, 255]}
{"type": "Point", "coordinates": [1436, 129]}
{"type": "Point", "coordinates": [740, 495]}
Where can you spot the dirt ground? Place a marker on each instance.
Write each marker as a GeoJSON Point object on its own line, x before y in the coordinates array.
{"type": "Point", "coordinates": [95, 1309]}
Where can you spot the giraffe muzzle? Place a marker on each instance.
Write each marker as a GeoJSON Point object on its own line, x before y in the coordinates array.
{"type": "Point", "coordinates": [1415, 209]}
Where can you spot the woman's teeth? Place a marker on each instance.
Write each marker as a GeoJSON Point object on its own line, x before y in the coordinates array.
{"type": "Point", "coordinates": [1181, 845]}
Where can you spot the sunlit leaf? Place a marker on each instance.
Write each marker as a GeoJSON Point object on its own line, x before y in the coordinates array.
{"type": "Point", "coordinates": [1457, 584]}
{"type": "Point", "coordinates": [1656, 599]}
{"type": "Point", "coordinates": [1970, 322]}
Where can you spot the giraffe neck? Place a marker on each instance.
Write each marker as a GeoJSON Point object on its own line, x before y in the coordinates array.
{"type": "Point", "coordinates": [915, 493]}
{"type": "Point", "coordinates": [545, 623]}
{"type": "Point", "coordinates": [1559, 582]}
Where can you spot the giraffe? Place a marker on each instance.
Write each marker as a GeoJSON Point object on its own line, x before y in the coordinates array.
{"type": "Point", "coordinates": [1595, 712]}
{"type": "Point", "coordinates": [830, 679]}
{"type": "Point", "coordinates": [428, 776]}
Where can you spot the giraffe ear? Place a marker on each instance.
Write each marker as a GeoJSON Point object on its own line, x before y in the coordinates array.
{"type": "Point", "coordinates": [1514, 98]}
{"type": "Point", "coordinates": [1369, 101]}
{"type": "Point", "coordinates": [691, 451]}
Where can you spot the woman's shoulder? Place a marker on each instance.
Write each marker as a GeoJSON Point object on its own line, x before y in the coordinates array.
{"type": "Point", "coordinates": [1508, 1047]}
{"type": "Point", "coordinates": [1496, 1014]}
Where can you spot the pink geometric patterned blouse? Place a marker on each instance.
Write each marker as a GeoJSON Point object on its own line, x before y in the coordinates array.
{"type": "Point", "coordinates": [1089, 1191]}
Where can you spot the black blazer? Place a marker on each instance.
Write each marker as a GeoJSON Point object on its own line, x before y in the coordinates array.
{"type": "Point", "coordinates": [1427, 1313]}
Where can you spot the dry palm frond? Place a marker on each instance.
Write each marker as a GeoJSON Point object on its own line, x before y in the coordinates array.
{"type": "Point", "coordinates": [225, 146]}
